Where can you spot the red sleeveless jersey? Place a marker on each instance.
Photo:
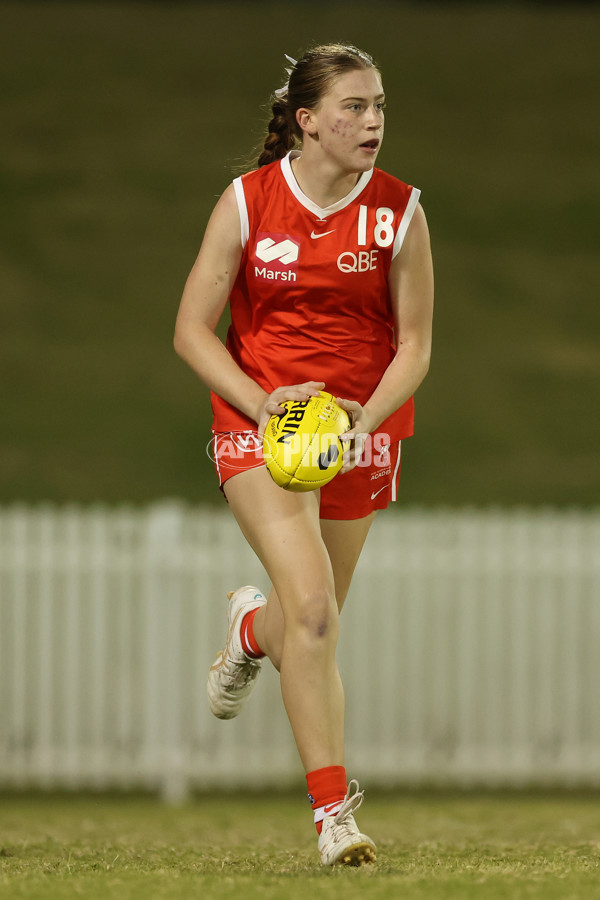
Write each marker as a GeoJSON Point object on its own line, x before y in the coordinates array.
{"type": "Point", "coordinates": [311, 299]}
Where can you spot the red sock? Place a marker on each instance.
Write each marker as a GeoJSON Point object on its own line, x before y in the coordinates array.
{"type": "Point", "coordinates": [326, 791]}
{"type": "Point", "coordinates": [249, 645]}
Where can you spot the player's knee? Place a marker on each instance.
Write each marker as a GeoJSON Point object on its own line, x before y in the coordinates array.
{"type": "Point", "coordinates": [317, 616]}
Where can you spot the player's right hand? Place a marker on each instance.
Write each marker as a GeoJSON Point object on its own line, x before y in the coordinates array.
{"type": "Point", "coordinates": [272, 404]}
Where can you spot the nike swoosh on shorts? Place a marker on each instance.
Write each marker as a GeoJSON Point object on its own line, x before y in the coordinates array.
{"type": "Point", "coordinates": [380, 490]}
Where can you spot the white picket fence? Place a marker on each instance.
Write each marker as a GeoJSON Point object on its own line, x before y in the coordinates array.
{"type": "Point", "coordinates": [470, 651]}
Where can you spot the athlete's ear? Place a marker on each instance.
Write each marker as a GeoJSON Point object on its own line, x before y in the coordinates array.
{"type": "Point", "coordinates": [306, 121]}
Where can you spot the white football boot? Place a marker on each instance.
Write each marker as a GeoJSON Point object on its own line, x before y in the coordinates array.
{"type": "Point", "coordinates": [340, 841]}
{"type": "Point", "coordinates": [233, 675]}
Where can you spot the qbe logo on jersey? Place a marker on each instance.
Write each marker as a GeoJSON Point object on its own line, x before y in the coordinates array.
{"type": "Point", "coordinates": [276, 257]}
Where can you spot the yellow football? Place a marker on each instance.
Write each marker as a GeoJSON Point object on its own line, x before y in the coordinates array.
{"type": "Point", "coordinates": [301, 447]}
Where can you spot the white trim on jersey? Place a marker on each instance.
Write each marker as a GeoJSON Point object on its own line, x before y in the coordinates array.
{"type": "Point", "coordinates": [405, 221]}
{"type": "Point", "coordinates": [394, 476]}
{"type": "Point", "coordinates": [242, 209]}
{"type": "Point", "coordinates": [286, 168]}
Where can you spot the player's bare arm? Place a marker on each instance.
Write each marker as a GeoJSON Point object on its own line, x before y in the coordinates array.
{"type": "Point", "coordinates": [204, 298]}
{"type": "Point", "coordinates": [411, 290]}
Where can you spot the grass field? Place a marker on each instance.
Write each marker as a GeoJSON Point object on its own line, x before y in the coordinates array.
{"type": "Point", "coordinates": [122, 123]}
{"type": "Point", "coordinates": [430, 846]}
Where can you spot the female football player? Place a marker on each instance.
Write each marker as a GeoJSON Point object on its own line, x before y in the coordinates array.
{"type": "Point", "coordinates": [325, 262]}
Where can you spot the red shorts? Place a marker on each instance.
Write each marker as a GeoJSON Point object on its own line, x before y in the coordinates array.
{"type": "Point", "coordinates": [371, 485]}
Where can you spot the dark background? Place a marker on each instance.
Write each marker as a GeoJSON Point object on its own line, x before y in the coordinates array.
{"type": "Point", "coordinates": [123, 122]}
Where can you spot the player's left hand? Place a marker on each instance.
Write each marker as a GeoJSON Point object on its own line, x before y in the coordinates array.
{"type": "Point", "coordinates": [357, 434]}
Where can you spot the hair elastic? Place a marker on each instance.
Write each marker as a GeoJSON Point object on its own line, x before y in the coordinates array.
{"type": "Point", "coordinates": [281, 92]}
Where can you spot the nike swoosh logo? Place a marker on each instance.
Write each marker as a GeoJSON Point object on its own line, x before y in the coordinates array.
{"type": "Point", "coordinates": [325, 233]}
{"type": "Point", "coordinates": [333, 807]}
{"type": "Point", "coordinates": [380, 490]}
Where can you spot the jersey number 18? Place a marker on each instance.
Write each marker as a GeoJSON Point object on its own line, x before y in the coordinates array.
{"type": "Point", "coordinates": [384, 231]}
